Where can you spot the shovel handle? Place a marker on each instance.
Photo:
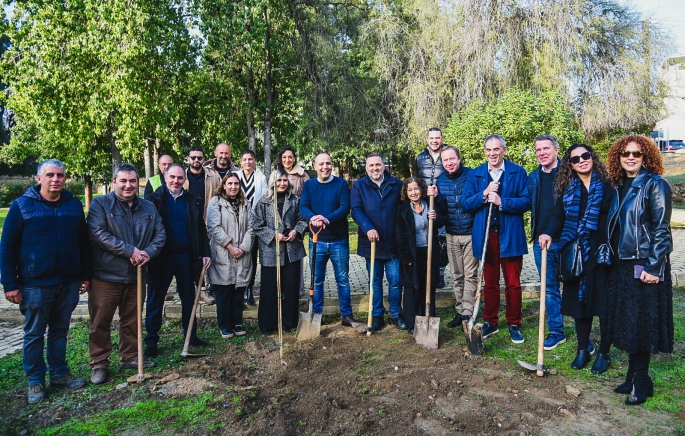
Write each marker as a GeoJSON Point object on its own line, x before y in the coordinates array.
{"type": "Point", "coordinates": [541, 326]}
{"type": "Point", "coordinates": [371, 276]}
{"type": "Point", "coordinates": [139, 303]}
{"type": "Point", "coordinates": [431, 203]}
{"type": "Point", "coordinates": [189, 332]}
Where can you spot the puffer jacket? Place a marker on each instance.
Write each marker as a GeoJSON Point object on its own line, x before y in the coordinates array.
{"type": "Point", "coordinates": [116, 229]}
{"type": "Point", "coordinates": [427, 169]}
{"type": "Point", "coordinates": [450, 187]}
{"type": "Point", "coordinates": [224, 227]}
{"type": "Point", "coordinates": [643, 219]}
{"type": "Point", "coordinates": [44, 245]}
{"type": "Point", "coordinates": [263, 228]}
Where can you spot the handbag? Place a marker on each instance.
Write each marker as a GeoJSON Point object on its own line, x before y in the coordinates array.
{"type": "Point", "coordinates": [604, 254]}
{"type": "Point", "coordinates": [571, 261]}
{"type": "Point", "coordinates": [444, 258]}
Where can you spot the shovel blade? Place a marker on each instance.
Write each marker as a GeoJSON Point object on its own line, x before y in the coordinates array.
{"type": "Point", "coordinates": [527, 365]}
{"type": "Point", "coordinates": [361, 328]}
{"type": "Point", "coordinates": [426, 331]}
{"type": "Point", "coordinates": [474, 338]}
{"type": "Point", "coordinates": [308, 327]}
{"type": "Point", "coordinates": [189, 355]}
{"type": "Point", "coordinates": [138, 378]}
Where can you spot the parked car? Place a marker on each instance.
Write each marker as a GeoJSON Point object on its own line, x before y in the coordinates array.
{"type": "Point", "coordinates": [675, 144]}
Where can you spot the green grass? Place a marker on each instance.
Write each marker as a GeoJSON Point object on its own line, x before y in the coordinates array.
{"type": "Point", "coordinates": [674, 180]}
{"type": "Point", "coordinates": [3, 215]}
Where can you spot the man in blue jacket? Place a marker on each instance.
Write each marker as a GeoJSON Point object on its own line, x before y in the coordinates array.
{"type": "Point", "coordinates": [374, 200]}
{"type": "Point", "coordinates": [458, 226]}
{"type": "Point", "coordinates": [502, 186]}
{"type": "Point", "coordinates": [541, 187]}
{"type": "Point", "coordinates": [45, 262]}
{"type": "Point", "coordinates": [325, 203]}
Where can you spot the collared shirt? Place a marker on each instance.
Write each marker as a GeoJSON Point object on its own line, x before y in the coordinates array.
{"type": "Point", "coordinates": [496, 174]}
{"type": "Point", "coordinates": [556, 162]}
{"type": "Point", "coordinates": [330, 179]}
{"type": "Point", "coordinates": [176, 197]}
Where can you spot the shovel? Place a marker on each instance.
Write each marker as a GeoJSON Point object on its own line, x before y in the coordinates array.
{"type": "Point", "coordinates": [540, 367]}
{"type": "Point", "coordinates": [373, 262]}
{"type": "Point", "coordinates": [185, 352]}
{"type": "Point", "coordinates": [474, 334]}
{"type": "Point", "coordinates": [427, 328]}
{"type": "Point", "coordinates": [278, 274]}
{"type": "Point", "coordinates": [309, 324]}
{"type": "Point", "coordinates": [140, 377]}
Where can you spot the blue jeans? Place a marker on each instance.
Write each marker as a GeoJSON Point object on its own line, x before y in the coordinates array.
{"type": "Point", "coordinates": [392, 272]}
{"type": "Point", "coordinates": [555, 320]}
{"type": "Point", "coordinates": [47, 307]}
{"type": "Point", "coordinates": [339, 254]}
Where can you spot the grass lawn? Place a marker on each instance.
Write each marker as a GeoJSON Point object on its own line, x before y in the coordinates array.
{"type": "Point", "coordinates": [3, 215]}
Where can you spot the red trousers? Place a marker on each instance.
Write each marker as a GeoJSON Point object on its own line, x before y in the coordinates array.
{"type": "Point", "coordinates": [511, 269]}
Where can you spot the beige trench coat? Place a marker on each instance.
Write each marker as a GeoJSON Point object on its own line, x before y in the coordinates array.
{"type": "Point", "coordinates": [223, 227]}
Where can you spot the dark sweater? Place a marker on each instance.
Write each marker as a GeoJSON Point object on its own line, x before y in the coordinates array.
{"type": "Point", "coordinates": [178, 221]}
{"type": "Point", "coordinates": [332, 200]}
{"type": "Point", "coordinates": [545, 207]}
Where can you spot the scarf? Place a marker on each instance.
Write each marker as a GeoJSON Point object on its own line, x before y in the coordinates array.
{"type": "Point", "coordinates": [577, 227]}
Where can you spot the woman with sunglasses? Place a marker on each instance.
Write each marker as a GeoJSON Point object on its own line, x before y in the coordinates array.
{"type": "Point", "coordinates": [639, 298]}
{"type": "Point", "coordinates": [582, 199]}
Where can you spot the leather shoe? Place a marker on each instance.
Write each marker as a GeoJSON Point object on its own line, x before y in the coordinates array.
{"type": "Point", "coordinates": [197, 342]}
{"type": "Point", "coordinates": [456, 321]}
{"type": "Point", "coordinates": [582, 359]}
{"type": "Point", "coordinates": [377, 324]}
{"type": "Point", "coordinates": [601, 364]}
{"type": "Point", "coordinates": [99, 376]}
{"type": "Point", "coordinates": [348, 320]}
{"type": "Point", "coordinates": [151, 351]}
{"type": "Point", "coordinates": [399, 322]}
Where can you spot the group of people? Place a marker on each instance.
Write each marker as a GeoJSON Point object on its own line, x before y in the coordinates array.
{"type": "Point", "coordinates": [214, 217]}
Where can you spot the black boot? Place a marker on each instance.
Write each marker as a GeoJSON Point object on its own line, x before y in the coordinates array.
{"type": "Point", "coordinates": [627, 386]}
{"type": "Point", "coordinates": [642, 384]}
{"type": "Point", "coordinates": [601, 363]}
{"type": "Point", "coordinates": [582, 359]}
{"type": "Point", "coordinates": [250, 297]}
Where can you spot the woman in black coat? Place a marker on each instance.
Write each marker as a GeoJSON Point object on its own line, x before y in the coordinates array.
{"type": "Point", "coordinates": [582, 199]}
{"type": "Point", "coordinates": [639, 296]}
{"type": "Point", "coordinates": [412, 248]}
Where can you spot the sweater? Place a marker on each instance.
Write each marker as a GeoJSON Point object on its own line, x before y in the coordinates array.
{"type": "Point", "coordinates": [331, 200]}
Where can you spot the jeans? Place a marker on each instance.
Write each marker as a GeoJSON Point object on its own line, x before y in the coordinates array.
{"type": "Point", "coordinates": [555, 320]}
{"type": "Point", "coordinates": [173, 265]}
{"type": "Point", "coordinates": [392, 272]}
{"type": "Point", "coordinates": [339, 254]}
{"type": "Point", "coordinates": [229, 306]}
{"type": "Point", "coordinates": [47, 307]}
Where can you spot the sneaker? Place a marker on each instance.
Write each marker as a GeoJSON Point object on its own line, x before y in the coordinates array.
{"type": "Point", "coordinates": [66, 381]}
{"type": "Point", "coordinates": [348, 320]}
{"type": "Point", "coordinates": [410, 331]}
{"type": "Point", "coordinates": [456, 321]}
{"type": "Point", "coordinates": [99, 376]}
{"type": "Point", "coordinates": [516, 335]}
{"type": "Point", "coordinates": [489, 329]}
{"type": "Point", "coordinates": [552, 340]}
{"type": "Point", "coordinates": [206, 298]}
{"type": "Point", "coordinates": [239, 330]}
{"type": "Point", "coordinates": [226, 333]}
{"type": "Point", "coordinates": [151, 351]}
{"type": "Point", "coordinates": [399, 322]}
{"type": "Point", "coordinates": [591, 348]}
{"type": "Point", "coordinates": [36, 393]}
{"type": "Point", "coordinates": [134, 364]}
{"type": "Point", "coordinates": [197, 342]}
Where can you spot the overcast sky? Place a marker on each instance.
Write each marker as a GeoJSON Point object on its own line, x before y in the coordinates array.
{"type": "Point", "coordinates": [670, 13]}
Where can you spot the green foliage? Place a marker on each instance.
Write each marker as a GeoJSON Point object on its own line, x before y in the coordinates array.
{"type": "Point", "coordinates": [519, 116]}
{"type": "Point", "coordinates": [13, 189]}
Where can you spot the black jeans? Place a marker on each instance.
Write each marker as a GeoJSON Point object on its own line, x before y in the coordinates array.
{"type": "Point", "coordinates": [229, 306]}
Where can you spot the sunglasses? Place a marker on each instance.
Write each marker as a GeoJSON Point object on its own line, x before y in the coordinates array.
{"type": "Point", "coordinates": [636, 153]}
{"type": "Point", "coordinates": [196, 157]}
{"type": "Point", "coordinates": [585, 156]}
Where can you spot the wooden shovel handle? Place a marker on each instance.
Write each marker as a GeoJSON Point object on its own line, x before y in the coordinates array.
{"type": "Point", "coordinates": [541, 326]}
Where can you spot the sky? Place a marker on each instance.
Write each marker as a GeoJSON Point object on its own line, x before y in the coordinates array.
{"type": "Point", "coordinates": [670, 14]}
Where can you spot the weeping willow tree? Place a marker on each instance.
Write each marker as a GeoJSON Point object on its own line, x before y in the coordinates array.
{"type": "Point", "coordinates": [437, 57]}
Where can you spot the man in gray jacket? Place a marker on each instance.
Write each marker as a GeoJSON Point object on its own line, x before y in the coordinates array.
{"type": "Point", "coordinates": [125, 232]}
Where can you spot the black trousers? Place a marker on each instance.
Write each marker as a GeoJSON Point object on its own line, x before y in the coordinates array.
{"type": "Point", "coordinates": [414, 300]}
{"type": "Point", "coordinates": [229, 305]}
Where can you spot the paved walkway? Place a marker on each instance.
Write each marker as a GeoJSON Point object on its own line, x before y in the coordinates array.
{"type": "Point", "coordinates": [10, 336]}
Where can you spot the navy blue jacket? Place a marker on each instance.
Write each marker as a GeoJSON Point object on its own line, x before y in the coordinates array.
{"type": "Point", "coordinates": [44, 245]}
{"type": "Point", "coordinates": [534, 189]}
{"type": "Point", "coordinates": [376, 209]}
{"type": "Point", "coordinates": [450, 187]}
{"type": "Point", "coordinates": [515, 202]}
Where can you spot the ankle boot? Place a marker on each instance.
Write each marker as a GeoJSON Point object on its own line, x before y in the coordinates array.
{"type": "Point", "coordinates": [642, 384]}
{"type": "Point", "coordinates": [582, 359]}
{"type": "Point", "coordinates": [627, 386]}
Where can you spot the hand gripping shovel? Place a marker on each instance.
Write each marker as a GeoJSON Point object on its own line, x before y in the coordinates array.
{"type": "Point", "coordinates": [370, 317]}
{"type": "Point", "coordinates": [309, 324]}
{"type": "Point", "coordinates": [140, 377]}
{"type": "Point", "coordinates": [185, 352]}
{"type": "Point", "coordinates": [474, 334]}
{"type": "Point", "coordinates": [427, 328]}
{"type": "Point", "coordinates": [540, 367]}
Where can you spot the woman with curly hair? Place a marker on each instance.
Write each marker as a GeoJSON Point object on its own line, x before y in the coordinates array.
{"type": "Point", "coordinates": [286, 159]}
{"type": "Point", "coordinates": [582, 199]}
{"type": "Point", "coordinates": [639, 298]}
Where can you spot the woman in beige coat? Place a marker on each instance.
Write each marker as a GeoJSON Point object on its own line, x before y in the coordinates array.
{"type": "Point", "coordinates": [286, 160]}
{"type": "Point", "coordinates": [229, 227]}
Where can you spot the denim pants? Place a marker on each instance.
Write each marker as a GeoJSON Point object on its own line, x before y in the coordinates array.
{"type": "Point", "coordinates": [555, 320]}
{"type": "Point", "coordinates": [47, 307]}
{"type": "Point", "coordinates": [339, 254]}
{"type": "Point", "coordinates": [392, 273]}
{"type": "Point", "coordinates": [172, 265]}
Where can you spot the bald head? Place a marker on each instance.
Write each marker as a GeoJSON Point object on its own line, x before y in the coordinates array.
{"type": "Point", "coordinates": [222, 152]}
{"type": "Point", "coordinates": [164, 162]}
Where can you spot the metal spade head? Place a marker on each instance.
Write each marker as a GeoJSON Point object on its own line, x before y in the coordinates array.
{"type": "Point", "coordinates": [474, 338]}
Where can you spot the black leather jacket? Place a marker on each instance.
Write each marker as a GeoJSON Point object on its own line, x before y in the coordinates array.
{"type": "Point", "coordinates": [643, 219]}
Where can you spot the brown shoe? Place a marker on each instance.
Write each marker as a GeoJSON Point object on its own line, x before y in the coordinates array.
{"type": "Point", "coordinates": [168, 297]}
{"type": "Point", "coordinates": [206, 298]}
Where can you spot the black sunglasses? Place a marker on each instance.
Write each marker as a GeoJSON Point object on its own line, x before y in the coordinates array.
{"type": "Point", "coordinates": [196, 157]}
{"type": "Point", "coordinates": [636, 153]}
{"type": "Point", "coordinates": [585, 156]}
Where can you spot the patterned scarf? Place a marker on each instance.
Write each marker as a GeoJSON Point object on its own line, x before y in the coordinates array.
{"type": "Point", "coordinates": [576, 227]}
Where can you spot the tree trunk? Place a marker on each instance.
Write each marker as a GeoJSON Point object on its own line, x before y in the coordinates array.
{"type": "Point", "coordinates": [88, 190]}
{"type": "Point", "coordinates": [249, 89]}
{"type": "Point", "coordinates": [269, 96]}
{"type": "Point", "coordinates": [147, 159]}
{"type": "Point", "coordinates": [158, 150]}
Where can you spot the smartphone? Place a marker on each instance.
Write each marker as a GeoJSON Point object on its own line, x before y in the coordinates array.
{"type": "Point", "coordinates": [638, 272]}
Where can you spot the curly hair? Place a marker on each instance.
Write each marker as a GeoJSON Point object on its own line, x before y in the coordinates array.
{"type": "Point", "coordinates": [405, 185]}
{"type": "Point", "coordinates": [278, 162]}
{"type": "Point", "coordinates": [220, 191]}
{"type": "Point", "coordinates": [651, 159]}
{"type": "Point", "coordinates": [567, 173]}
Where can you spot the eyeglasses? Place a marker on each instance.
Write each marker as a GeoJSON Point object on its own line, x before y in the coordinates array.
{"type": "Point", "coordinates": [635, 153]}
{"type": "Point", "coordinates": [196, 157]}
{"type": "Point", "coordinates": [576, 159]}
